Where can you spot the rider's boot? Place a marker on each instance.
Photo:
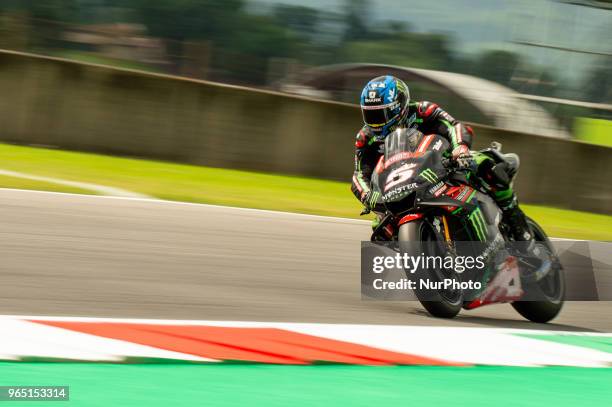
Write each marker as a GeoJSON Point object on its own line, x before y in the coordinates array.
{"type": "Point", "coordinates": [388, 230]}
{"type": "Point", "coordinates": [375, 223]}
{"type": "Point", "coordinates": [515, 218]}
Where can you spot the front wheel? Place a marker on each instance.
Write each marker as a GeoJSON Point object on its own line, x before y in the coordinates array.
{"type": "Point", "coordinates": [552, 286]}
{"type": "Point", "coordinates": [419, 237]}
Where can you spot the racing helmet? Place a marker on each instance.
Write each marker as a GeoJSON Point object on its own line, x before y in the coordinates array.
{"type": "Point", "coordinates": [384, 104]}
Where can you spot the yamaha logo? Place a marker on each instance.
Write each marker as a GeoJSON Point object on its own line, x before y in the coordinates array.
{"type": "Point", "coordinates": [411, 120]}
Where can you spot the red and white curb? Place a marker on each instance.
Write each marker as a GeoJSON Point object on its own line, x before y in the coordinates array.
{"type": "Point", "coordinates": [31, 338]}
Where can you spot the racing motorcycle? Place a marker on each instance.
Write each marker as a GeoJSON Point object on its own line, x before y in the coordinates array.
{"type": "Point", "coordinates": [429, 207]}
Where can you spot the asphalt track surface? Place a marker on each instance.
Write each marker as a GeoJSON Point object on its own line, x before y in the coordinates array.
{"type": "Point", "coordinates": [74, 255]}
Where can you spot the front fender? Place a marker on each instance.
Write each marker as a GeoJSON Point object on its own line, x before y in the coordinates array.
{"type": "Point", "coordinates": [411, 217]}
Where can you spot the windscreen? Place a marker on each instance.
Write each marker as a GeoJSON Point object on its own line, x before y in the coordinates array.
{"type": "Point", "coordinates": [402, 140]}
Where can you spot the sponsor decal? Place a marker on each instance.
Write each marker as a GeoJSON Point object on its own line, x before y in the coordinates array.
{"type": "Point", "coordinates": [399, 190]}
{"type": "Point", "coordinates": [372, 97]}
{"type": "Point", "coordinates": [411, 120]}
{"type": "Point", "coordinates": [462, 196]}
{"type": "Point", "coordinates": [400, 86]}
{"type": "Point", "coordinates": [494, 247]}
{"type": "Point", "coordinates": [437, 146]}
{"type": "Point", "coordinates": [399, 157]}
{"type": "Point", "coordinates": [438, 188]}
{"type": "Point", "coordinates": [505, 286]}
{"type": "Point", "coordinates": [374, 198]}
{"type": "Point", "coordinates": [429, 175]}
{"type": "Point", "coordinates": [478, 224]}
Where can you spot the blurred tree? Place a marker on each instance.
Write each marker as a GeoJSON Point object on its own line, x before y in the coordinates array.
{"type": "Point", "coordinates": [105, 11]}
{"type": "Point", "coordinates": [413, 50]}
{"type": "Point", "coordinates": [188, 26]}
{"type": "Point", "coordinates": [51, 10]}
{"type": "Point", "coordinates": [397, 27]}
{"type": "Point", "coordinates": [14, 30]}
{"type": "Point", "coordinates": [497, 66]}
{"type": "Point", "coordinates": [252, 47]}
{"type": "Point", "coordinates": [542, 81]}
{"type": "Point", "coordinates": [45, 18]}
{"type": "Point", "coordinates": [189, 19]}
{"type": "Point", "coordinates": [356, 20]}
{"type": "Point", "coordinates": [239, 44]}
{"type": "Point", "coordinates": [511, 70]}
{"type": "Point", "coordinates": [598, 84]}
{"type": "Point", "coordinates": [300, 19]}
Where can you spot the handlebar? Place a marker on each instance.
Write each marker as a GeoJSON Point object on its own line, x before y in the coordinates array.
{"type": "Point", "coordinates": [449, 163]}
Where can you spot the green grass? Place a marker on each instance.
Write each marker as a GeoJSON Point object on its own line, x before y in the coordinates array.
{"type": "Point", "coordinates": [242, 188]}
{"type": "Point", "coordinates": [571, 224]}
{"type": "Point", "coordinates": [595, 131]}
{"type": "Point", "coordinates": [20, 183]}
{"type": "Point", "coordinates": [186, 182]}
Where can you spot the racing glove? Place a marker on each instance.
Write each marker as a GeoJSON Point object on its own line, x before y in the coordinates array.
{"type": "Point", "coordinates": [463, 158]}
{"type": "Point", "coordinates": [365, 200]}
{"type": "Point", "coordinates": [370, 201]}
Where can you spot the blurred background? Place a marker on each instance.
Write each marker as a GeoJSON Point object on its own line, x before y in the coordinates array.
{"type": "Point", "coordinates": [543, 66]}
{"type": "Point", "coordinates": [273, 85]}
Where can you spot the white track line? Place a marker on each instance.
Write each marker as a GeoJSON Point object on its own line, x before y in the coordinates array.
{"type": "Point", "coordinates": [180, 203]}
{"type": "Point", "coordinates": [104, 190]}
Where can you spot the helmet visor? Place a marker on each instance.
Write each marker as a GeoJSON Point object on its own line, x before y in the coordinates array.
{"type": "Point", "coordinates": [379, 116]}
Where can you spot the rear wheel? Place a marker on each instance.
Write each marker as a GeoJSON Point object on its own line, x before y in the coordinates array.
{"type": "Point", "coordinates": [419, 237]}
{"type": "Point", "coordinates": [552, 286]}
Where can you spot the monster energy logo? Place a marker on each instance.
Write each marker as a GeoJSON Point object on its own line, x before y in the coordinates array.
{"type": "Point", "coordinates": [374, 198]}
{"type": "Point", "coordinates": [429, 175]}
{"type": "Point", "coordinates": [478, 223]}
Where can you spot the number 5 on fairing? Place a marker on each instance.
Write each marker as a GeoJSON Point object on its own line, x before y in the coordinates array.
{"type": "Point", "coordinates": [399, 175]}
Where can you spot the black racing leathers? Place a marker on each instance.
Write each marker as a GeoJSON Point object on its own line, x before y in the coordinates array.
{"type": "Point", "coordinates": [428, 118]}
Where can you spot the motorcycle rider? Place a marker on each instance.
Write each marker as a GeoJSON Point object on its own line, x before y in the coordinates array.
{"type": "Point", "coordinates": [385, 106]}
